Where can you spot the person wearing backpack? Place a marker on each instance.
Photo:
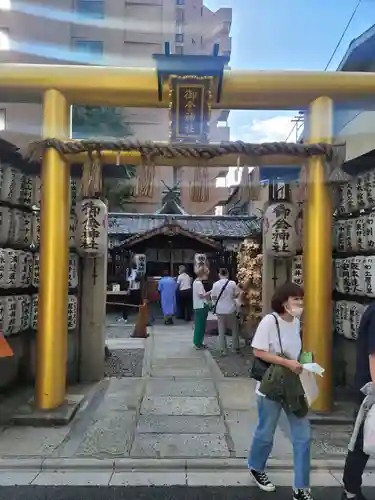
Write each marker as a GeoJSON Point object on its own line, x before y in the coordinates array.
{"type": "Point", "coordinates": [224, 293]}
{"type": "Point", "coordinates": [277, 342]}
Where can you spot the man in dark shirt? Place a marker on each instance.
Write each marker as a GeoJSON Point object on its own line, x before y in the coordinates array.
{"type": "Point", "coordinates": [356, 460]}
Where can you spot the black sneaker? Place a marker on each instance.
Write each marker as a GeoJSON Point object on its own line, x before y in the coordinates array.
{"type": "Point", "coordinates": [262, 481]}
{"type": "Point", "coordinates": [302, 495]}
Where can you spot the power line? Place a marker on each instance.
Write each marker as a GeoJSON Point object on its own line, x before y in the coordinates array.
{"type": "Point", "coordinates": [334, 52]}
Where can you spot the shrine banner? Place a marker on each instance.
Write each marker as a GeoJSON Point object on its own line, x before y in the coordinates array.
{"type": "Point", "coordinates": [190, 108]}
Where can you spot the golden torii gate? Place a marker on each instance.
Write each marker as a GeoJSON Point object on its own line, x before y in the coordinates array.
{"type": "Point", "coordinates": [57, 87]}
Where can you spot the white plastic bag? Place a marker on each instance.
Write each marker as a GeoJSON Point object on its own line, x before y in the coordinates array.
{"type": "Point", "coordinates": [369, 432]}
{"type": "Point", "coordinates": [309, 385]}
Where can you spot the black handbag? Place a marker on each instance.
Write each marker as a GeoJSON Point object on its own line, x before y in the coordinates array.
{"type": "Point", "coordinates": [259, 367]}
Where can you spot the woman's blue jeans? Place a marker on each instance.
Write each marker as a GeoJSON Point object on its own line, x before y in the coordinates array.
{"type": "Point", "coordinates": [261, 447]}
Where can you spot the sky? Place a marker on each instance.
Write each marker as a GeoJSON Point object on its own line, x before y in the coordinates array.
{"type": "Point", "coordinates": [287, 35]}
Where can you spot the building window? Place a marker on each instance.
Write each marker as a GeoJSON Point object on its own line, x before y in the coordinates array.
{"type": "Point", "coordinates": [179, 50]}
{"type": "Point", "coordinates": [180, 2]}
{"type": "Point", "coordinates": [179, 37]}
{"type": "Point", "coordinates": [179, 28]}
{"type": "Point", "coordinates": [90, 8]}
{"type": "Point", "coordinates": [180, 15]}
{"type": "Point", "coordinates": [4, 39]}
{"type": "Point", "coordinates": [88, 47]}
{"type": "Point", "coordinates": [2, 119]}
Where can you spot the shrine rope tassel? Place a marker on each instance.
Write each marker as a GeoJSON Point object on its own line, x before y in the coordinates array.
{"type": "Point", "coordinates": [145, 177]}
{"type": "Point", "coordinates": [92, 179]}
{"type": "Point", "coordinates": [245, 183]}
{"type": "Point", "coordinates": [254, 187]}
{"type": "Point", "coordinates": [200, 189]}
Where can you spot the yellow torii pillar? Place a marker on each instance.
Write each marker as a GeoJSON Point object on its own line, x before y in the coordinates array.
{"type": "Point", "coordinates": [52, 335]}
{"type": "Point", "coordinates": [317, 253]}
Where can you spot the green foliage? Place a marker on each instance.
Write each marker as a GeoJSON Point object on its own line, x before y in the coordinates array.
{"type": "Point", "coordinates": [107, 122]}
{"type": "Point", "coordinates": [100, 122]}
{"type": "Point", "coordinates": [119, 191]}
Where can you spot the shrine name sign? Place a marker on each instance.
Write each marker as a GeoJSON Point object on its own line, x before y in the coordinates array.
{"type": "Point", "coordinates": [190, 109]}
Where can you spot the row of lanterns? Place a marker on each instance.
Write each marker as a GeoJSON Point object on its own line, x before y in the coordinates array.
{"type": "Point", "coordinates": [355, 275]}
{"type": "Point", "coordinates": [87, 227]}
{"type": "Point", "coordinates": [282, 229]}
{"type": "Point", "coordinates": [347, 316]}
{"type": "Point", "coordinates": [357, 194]}
{"type": "Point", "coordinates": [20, 269]}
{"type": "Point", "coordinates": [17, 188]}
{"type": "Point", "coordinates": [354, 235]}
{"type": "Point", "coordinates": [20, 312]}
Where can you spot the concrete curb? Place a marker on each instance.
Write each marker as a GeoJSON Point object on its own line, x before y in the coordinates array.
{"type": "Point", "coordinates": [156, 465]}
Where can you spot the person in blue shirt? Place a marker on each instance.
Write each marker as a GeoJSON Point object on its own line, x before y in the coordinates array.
{"type": "Point", "coordinates": [167, 288]}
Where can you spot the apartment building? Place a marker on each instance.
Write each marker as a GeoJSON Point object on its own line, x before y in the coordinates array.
{"type": "Point", "coordinates": [113, 32]}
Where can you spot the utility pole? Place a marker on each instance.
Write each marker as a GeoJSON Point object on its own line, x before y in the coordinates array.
{"type": "Point", "coordinates": [298, 121]}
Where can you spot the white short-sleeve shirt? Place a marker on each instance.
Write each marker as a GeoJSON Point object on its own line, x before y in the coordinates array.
{"type": "Point", "coordinates": [184, 281]}
{"type": "Point", "coordinates": [227, 303]}
{"type": "Point", "coordinates": [198, 289]}
{"type": "Point", "coordinates": [266, 337]}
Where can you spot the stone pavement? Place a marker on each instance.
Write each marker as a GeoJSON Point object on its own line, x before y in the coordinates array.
{"type": "Point", "coordinates": [180, 415]}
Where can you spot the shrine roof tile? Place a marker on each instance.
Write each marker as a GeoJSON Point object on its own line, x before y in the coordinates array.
{"type": "Point", "coordinates": [221, 227]}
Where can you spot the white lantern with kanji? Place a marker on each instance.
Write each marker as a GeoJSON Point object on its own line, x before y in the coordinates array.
{"type": "Point", "coordinates": [361, 192]}
{"type": "Point", "coordinates": [36, 271]}
{"type": "Point", "coordinates": [34, 312]}
{"type": "Point", "coordinates": [361, 232]}
{"type": "Point", "coordinates": [351, 193]}
{"type": "Point", "coordinates": [92, 222]}
{"type": "Point", "coordinates": [338, 275]}
{"type": "Point", "coordinates": [342, 196]}
{"type": "Point", "coordinates": [356, 311]}
{"type": "Point", "coordinates": [280, 229]}
{"type": "Point", "coordinates": [73, 270]}
{"type": "Point", "coordinates": [140, 261]}
{"type": "Point", "coordinates": [9, 322]}
{"type": "Point", "coordinates": [3, 267]}
{"type": "Point", "coordinates": [369, 278]}
{"type": "Point", "coordinates": [36, 230]}
{"type": "Point", "coordinates": [37, 185]}
{"type": "Point", "coordinates": [25, 312]}
{"type": "Point", "coordinates": [341, 235]}
{"type": "Point", "coordinates": [11, 185]}
{"type": "Point", "coordinates": [370, 232]}
{"type": "Point", "coordinates": [27, 191]}
{"type": "Point", "coordinates": [200, 260]}
{"type": "Point", "coordinates": [297, 270]}
{"type": "Point", "coordinates": [72, 312]}
{"type": "Point", "coordinates": [346, 275]}
{"type": "Point", "coordinates": [5, 224]}
{"type": "Point", "coordinates": [370, 187]}
{"type": "Point", "coordinates": [337, 318]}
{"type": "Point", "coordinates": [16, 230]}
{"type": "Point", "coordinates": [345, 312]}
{"type": "Point", "coordinates": [357, 272]}
{"type": "Point", "coordinates": [11, 268]}
{"type": "Point", "coordinates": [350, 235]}
{"type": "Point", "coordinates": [72, 229]}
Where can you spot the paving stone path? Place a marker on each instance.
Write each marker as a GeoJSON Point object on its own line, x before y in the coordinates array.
{"type": "Point", "coordinates": [181, 407]}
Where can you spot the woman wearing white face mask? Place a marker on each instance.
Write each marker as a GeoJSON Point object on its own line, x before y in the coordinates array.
{"type": "Point", "coordinates": [281, 327]}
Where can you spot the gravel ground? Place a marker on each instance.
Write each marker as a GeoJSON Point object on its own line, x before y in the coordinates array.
{"type": "Point", "coordinates": [124, 363]}
{"type": "Point", "coordinates": [233, 365]}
